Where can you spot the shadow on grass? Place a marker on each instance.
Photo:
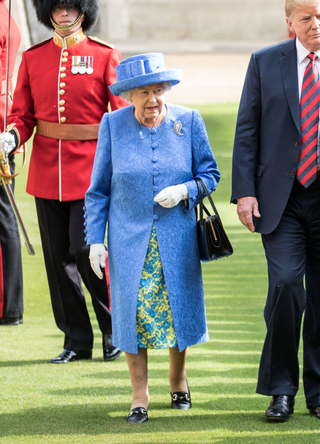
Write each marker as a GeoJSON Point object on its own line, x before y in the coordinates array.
{"type": "Point", "coordinates": [97, 419]}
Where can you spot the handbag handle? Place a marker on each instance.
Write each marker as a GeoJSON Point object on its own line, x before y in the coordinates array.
{"type": "Point", "coordinates": [200, 183]}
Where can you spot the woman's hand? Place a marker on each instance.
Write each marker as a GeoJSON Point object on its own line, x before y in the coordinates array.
{"type": "Point", "coordinates": [97, 258]}
{"type": "Point", "coordinates": [170, 197]}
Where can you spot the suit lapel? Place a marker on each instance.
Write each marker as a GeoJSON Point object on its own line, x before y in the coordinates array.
{"type": "Point", "coordinates": [288, 64]}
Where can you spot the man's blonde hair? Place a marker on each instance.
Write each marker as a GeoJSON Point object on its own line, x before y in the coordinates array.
{"type": "Point", "coordinates": [292, 5]}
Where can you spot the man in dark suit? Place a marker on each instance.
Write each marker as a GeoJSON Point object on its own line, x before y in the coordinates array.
{"type": "Point", "coordinates": [276, 185]}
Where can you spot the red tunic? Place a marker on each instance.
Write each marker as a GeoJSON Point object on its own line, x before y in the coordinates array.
{"type": "Point", "coordinates": [48, 90]}
{"type": "Point", "coordinates": [15, 39]}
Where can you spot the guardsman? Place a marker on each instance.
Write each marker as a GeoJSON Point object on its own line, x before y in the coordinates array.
{"type": "Point", "coordinates": [62, 91]}
{"type": "Point", "coordinates": [11, 289]}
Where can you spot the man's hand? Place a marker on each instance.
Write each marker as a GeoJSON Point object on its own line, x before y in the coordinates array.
{"type": "Point", "coordinates": [7, 142]}
{"type": "Point", "coordinates": [245, 208]}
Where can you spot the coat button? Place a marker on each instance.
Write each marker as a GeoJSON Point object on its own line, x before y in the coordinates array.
{"type": "Point", "coordinates": [65, 54]}
{"type": "Point", "coordinates": [296, 144]}
{"type": "Point", "coordinates": [154, 145]}
{"type": "Point", "coordinates": [155, 174]}
{"type": "Point", "coordinates": [155, 159]}
{"type": "Point", "coordinates": [63, 68]}
{"type": "Point", "coordinates": [61, 92]}
{"type": "Point", "coordinates": [62, 85]}
{"type": "Point", "coordinates": [63, 75]}
{"type": "Point", "coordinates": [63, 119]}
{"type": "Point", "coordinates": [155, 203]}
{"type": "Point", "coordinates": [155, 217]}
{"type": "Point", "coordinates": [62, 109]}
{"type": "Point", "coordinates": [62, 102]}
{"type": "Point", "coordinates": [291, 173]}
{"type": "Point", "coordinates": [64, 60]}
{"type": "Point", "coordinates": [155, 188]}
{"type": "Point", "coordinates": [153, 131]}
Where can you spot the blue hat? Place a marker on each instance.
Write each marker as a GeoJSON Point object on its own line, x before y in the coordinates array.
{"type": "Point", "coordinates": [142, 70]}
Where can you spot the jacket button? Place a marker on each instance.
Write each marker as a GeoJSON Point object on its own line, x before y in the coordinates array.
{"type": "Point", "coordinates": [296, 144]}
{"type": "Point", "coordinates": [155, 188]}
{"type": "Point", "coordinates": [63, 75]}
{"type": "Point", "coordinates": [63, 119]}
{"type": "Point", "coordinates": [153, 131]}
{"type": "Point", "coordinates": [63, 68]}
{"type": "Point", "coordinates": [155, 160]}
{"type": "Point", "coordinates": [154, 145]}
{"type": "Point", "coordinates": [291, 173]}
{"type": "Point", "coordinates": [155, 217]}
{"type": "Point", "coordinates": [65, 54]}
{"type": "Point", "coordinates": [155, 173]}
{"type": "Point", "coordinates": [61, 92]}
{"type": "Point", "coordinates": [64, 60]}
{"type": "Point", "coordinates": [62, 85]}
{"type": "Point", "coordinates": [62, 102]}
{"type": "Point", "coordinates": [155, 203]}
{"type": "Point", "coordinates": [62, 109]}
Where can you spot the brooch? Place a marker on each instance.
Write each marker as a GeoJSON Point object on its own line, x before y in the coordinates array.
{"type": "Point", "coordinates": [177, 127]}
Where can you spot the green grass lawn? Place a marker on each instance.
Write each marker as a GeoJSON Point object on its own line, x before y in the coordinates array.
{"type": "Point", "coordinates": [87, 402]}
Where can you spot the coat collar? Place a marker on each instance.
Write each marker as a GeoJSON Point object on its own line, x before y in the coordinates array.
{"type": "Point", "coordinates": [71, 40]}
{"type": "Point", "coordinates": [289, 70]}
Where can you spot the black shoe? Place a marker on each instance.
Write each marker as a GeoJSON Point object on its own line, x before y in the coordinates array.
{"type": "Point", "coordinates": [10, 321]}
{"type": "Point", "coordinates": [70, 356]}
{"type": "Point", "coordinates": [138, 414]}
{"type": "Point", "coordinates": [20, 319]}
{"type": "Point", "coordinates": [315, 412]}
{"type": "Point", "coordinates": [181, 400]}
{"type": "Point", "coordinates": [280, 408]}
{"type": "Point", "coordinates": [110, 353]}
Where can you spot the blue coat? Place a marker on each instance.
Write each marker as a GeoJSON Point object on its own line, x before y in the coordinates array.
{"type": "Point", "coordinates": [133, 163]}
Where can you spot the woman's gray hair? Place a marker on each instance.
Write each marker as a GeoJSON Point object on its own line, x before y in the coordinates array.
{"type": "Point", "coordinates": [292, 5]}
{"type": "Point", "coordinates": [126, 95]}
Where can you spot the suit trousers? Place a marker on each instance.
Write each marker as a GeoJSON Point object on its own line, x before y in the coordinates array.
{"type": "Point", "coordinates": [293, 255]}
{"type": "Point", "coordinates": [11, 285]}
{"type": "Point", "coordinates": [66, 259]}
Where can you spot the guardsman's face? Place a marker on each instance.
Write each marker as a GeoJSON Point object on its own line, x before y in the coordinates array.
{"type": "Point", "coordinates": [65, 15]}
{"type": "Point", "coordinates": [305, 23]}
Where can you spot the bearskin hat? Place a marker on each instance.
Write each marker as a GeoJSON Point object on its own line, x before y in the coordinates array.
{"type": "Point", "coordinates": [90, 8]}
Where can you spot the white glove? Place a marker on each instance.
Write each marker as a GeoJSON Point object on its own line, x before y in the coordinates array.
{"type": "Point", "coordinates": [97, 258]}
{"type": "Point", "coordinates": [7, 142]}
{"type": "Point", "coordinates": [171, 196]}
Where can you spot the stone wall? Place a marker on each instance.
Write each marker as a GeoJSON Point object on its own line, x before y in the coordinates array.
{"type": "Point", "coordinates": [182, 25]}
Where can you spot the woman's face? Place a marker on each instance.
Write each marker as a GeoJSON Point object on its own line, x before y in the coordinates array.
{"type": "Point", "coordinates": [149, 100]}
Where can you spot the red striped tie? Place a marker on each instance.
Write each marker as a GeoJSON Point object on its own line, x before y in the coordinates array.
{"type": "Point", "coordinates": [309, 118]}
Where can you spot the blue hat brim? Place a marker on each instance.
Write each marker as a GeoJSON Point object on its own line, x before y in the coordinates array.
{"type": "Point", "coordinates": [171, 75]}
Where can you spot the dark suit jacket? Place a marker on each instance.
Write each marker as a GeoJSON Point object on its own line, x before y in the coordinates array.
{"type": "Point", "coordinates": [267, 140]}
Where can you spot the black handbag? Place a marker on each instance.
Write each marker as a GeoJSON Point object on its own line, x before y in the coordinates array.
{"type": "Point", "coordinates": [212, 239]}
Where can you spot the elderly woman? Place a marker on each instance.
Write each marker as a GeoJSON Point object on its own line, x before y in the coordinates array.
{"type": "Point", "coordinates": [147, 158]}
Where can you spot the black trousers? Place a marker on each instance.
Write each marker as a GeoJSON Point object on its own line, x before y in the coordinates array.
{"type": "Point", "coordinates": [11, 286]}
{"type": "Point", "coordinates": [66, 259]}
{"type": "Point", "coordinates": [293, 255]}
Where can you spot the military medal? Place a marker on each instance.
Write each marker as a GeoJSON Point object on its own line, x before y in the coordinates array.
{"type": "Point", "coordinates": [75, 64]}
{"type": "Point", "coordinates": [83, 65]}
{"type": "Point", "coordinates": [89, 65]}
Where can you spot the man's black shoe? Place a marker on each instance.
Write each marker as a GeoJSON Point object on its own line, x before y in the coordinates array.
{"type": "Point", "coordinates": [70, 356]}
{"type": "Point", "coordinates": [110, 353]}
{"type": "Point", "coordinates": [280, 408]}
{"type": "Point", "coordinates": [10, 321]}
{"type": "Point", "coordinates": [315, 412]}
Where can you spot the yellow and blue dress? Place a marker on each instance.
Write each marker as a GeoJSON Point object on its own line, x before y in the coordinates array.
{"type": "Point", "coordinates": [155, 328]}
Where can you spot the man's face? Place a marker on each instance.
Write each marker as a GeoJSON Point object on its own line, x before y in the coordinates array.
{"type": "Point", "coordinates": [64, 15]}
{"type": "Point", "coordinates": [305, 23]}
